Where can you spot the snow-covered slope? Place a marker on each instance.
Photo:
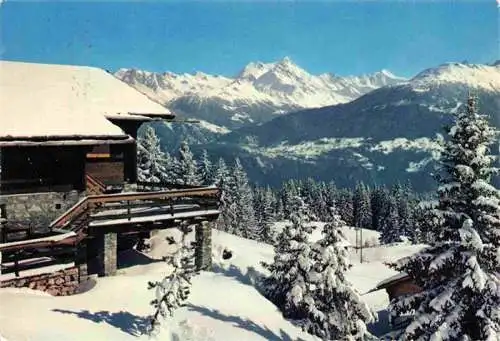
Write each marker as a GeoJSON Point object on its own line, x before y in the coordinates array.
{"type": "Point", "coordinates": [224, 304]}
{"type": "Point", "coordinates": [255, 95]}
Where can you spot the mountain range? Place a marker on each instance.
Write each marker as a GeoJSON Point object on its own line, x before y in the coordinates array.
{"type": "Point", "coordinates": [259, 93]}
{"type": "Point", "coordinates": [286, 123]}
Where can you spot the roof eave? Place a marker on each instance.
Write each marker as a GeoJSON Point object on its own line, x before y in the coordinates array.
{"type": "Point", "coordinates": [63, 141]}
{"type": "Point", "coordinates": [165, 116]}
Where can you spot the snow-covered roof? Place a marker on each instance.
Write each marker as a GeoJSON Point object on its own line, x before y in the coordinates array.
{"type": "Point", "coordinates": [393, 279]}
{"type": "Point", "coordinates": [399, 277]}
{"type": "Point", "coordinates": [45, 100]}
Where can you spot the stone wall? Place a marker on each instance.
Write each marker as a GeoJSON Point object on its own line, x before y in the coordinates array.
{"type": "Point", "coordinates": [38, 208]}
{"type": "Point", "coordinates": [60, 283]}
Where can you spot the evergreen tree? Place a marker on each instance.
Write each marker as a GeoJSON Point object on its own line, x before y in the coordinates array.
{"type": "Point", "coordinates": [345, 206]}
{"type": "Point", "coordinates": [151, 160]}
{"type": "Point", "coordinates": [206, 170]}
{"type": "Point", "coordinates": [279, 210]}
{"type": "Point", "coordinates": [422, 232]}
{"type": "Point", "coordinates": [330, 198]}
{"type": "Point", "coordinates": [361, 207]}
{"type": "Point", "coordinates": [459, 271]}
{"type": "Point", "coordinates": [227, 206]}
{"type": "Point", "coordinates": [221, 173]}
{"type": "Point", "coordinates": [335, 311]}
{"type": "Point", "coordinates": [186, 167]}
{"type": "Point", "coordinates": [244, 224]}
{"type": "Point", "coordinates": [174, 289]}
{"type": "Point", "coordinates": [401, 195]}
{"type": "Point", "coordinates": [264, 212]}
{"type": "Point", "coordinates": [289, 191]}
{"type": "Point", "coordinates": [268, 216]}
{"type": "Point", "coordinates": [379, 202]}
{"type": "Point", "coordinates": [391, 228]}
{"type": "Point", "coordinates": [285, 285]}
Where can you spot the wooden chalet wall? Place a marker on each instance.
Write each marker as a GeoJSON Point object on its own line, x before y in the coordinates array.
{"type": "Point", "coordinates": [31, 169]}
{"type": "Point", "coordinates": [112, 164]}
{"type": "Point", "coordinates": [403, 287]}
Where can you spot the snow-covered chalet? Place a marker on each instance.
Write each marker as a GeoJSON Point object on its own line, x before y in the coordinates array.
{"type": "Point", "coordinates": [68, 176]}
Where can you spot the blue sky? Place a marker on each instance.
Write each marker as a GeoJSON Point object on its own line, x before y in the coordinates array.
{"type": "Point", "coordinates": [342, 37]}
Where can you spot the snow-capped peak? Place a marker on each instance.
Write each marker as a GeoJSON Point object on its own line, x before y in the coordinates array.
{"type": "Point", "coordinates": [254, 70]}
{"type": "Point", "coordinates": [472, 75]}
{"type": "Point", "coordinates": [387, 73]}
{"type": "Point", "coordinates": [281, 85]}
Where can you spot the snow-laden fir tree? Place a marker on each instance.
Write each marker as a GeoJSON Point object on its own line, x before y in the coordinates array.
{"type": "Point", "coordinates": [227, 206]}
{"type": "Point", "coordinates": [402, 195]}
{"type": "Point", "coordinates": [186, 167]}
{"type": "Point", "coordinates": [172, 292]}
{"type": "Point", "coordinates": [206, 170]}
{"type": "Point", "coordinates": [289, 190]}
{"type": "Point", "coordinates": [267, 216]}
{"type": "Point", "coordinates": [391, 228]}
{"type": "Point", "coordinates": [361, 207]}
{"type": "Point", "coordinates": [258, 207]}
{"type": "Point", "coordinates": [244, 223]}
{"type": "Point", "coordinates": [152, 162]}
{"type": "Point", "coordinates": [286, 285]}
{"type": "Point", "coordinates": [379, 200]}
{"type": "Point", "coordinates": [335, 310]}
{"type": "Point", "coordinates": [221, 173]}
{"type": "Point", "coordinates": [460, 271]}
{"type": "Point", "coordinates": [345, 206]}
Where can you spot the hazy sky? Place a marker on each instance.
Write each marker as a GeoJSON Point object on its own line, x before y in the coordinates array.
{"type": "Point", "coordinates": [342, 37]}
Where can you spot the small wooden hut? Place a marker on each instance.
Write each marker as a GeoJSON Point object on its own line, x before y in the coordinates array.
{"type": "Point", "coordinates": [398, 285]}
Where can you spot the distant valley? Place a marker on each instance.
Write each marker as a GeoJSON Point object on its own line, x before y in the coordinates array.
{"type": "Point", "coordinates": [285, 123]}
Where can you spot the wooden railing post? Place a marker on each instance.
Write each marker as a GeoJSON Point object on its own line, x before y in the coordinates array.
{"type": "Point", "coordinates": [16, 264]}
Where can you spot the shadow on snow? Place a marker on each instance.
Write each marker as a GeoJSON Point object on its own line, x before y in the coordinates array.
{"type": "Point", "coordinates": [123, 320]}
{"type": "Point", "coordinates": [251, 277]}
{"type": "Point", "coordinates": [242, 323]}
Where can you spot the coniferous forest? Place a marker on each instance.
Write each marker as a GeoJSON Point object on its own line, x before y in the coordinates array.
{"type": "Point", "coordinates": [457, 271]}
{"type": "Point", "coordinates": [249, 210]}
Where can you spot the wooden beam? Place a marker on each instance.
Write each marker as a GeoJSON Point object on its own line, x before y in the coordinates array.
{"type": "Point", "coordinates": [201, 191]}
{"type": "Point", "coordinates": [67, 239]}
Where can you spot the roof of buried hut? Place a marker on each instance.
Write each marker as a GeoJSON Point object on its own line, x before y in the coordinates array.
{"type": "Point", "coordinates": [46, 102]}
{"type": "Point", "coordinates": [393, 280]}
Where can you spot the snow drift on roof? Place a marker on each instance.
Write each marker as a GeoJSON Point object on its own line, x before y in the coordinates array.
{"type": "Point", "coordinates": [57, 100]}
{"type": "Point", "coordinates": [392, 279]}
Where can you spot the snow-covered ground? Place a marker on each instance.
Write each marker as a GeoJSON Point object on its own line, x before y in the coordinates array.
{"type": "Point", "coordinates": [224, 304]}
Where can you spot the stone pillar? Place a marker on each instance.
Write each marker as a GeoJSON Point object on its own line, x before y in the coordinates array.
{"type": "Point", "coordinates": [203, 252]}
{"type": "Point", "coordinates": [107, 253]}
{"type": "Point", "coordinates": [82, 261]}
{"type": "Point", "coordinates": [110, 252]}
